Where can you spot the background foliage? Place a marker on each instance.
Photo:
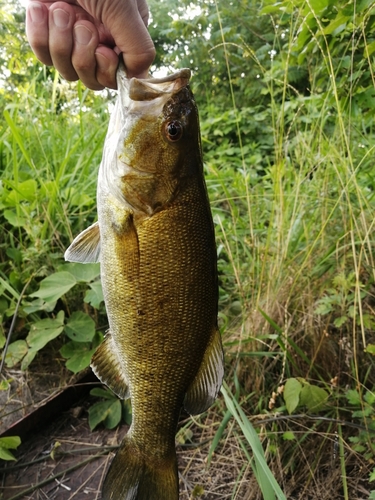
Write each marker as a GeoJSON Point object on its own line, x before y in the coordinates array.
{"type": "Point", "coordinates": [287, 99]}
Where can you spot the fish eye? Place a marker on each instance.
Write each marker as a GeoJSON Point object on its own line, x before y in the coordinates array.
{"type": "Point", "coordinates": [173, 130]}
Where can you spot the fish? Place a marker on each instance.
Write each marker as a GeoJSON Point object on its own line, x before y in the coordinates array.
{"type": "Point", "coordinates": [155, 242]}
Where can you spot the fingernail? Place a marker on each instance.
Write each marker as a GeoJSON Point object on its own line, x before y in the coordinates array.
{"type": "Point", "coordinates": [60, 18]}
{"type": "Point", "coordinates": [82, 34]}
{"type": "Point", "coordinates": [36, 13]}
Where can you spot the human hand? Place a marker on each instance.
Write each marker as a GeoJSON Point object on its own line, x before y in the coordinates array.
{"type": "Point", "coordinates": [83, 38]}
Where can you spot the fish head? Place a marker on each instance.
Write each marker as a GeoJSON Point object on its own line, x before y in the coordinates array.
{"type": "Point", "coordinates": [157, 142]}
{"type": "Point", "coordinates": [162, 124]}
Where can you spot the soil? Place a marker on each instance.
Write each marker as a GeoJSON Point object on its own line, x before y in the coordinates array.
{"type": "Point", "coordinates": [65, 460]}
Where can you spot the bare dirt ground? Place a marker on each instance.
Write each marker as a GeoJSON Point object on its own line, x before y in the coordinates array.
{"type": "Point", "coordinates": [64, 460]}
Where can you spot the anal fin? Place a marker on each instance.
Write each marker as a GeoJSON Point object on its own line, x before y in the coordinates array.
{"type": "Point", "coordinates": [206, 385]}
{"type": "Point", "coordinates": [86, 246]}
{"type": "Point", "coordinates": [107, 367]}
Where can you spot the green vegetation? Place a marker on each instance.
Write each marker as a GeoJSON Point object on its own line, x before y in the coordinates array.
{"type": "Point", "coordinates": [286, 93]}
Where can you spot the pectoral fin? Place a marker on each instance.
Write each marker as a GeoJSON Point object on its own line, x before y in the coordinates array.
{"type": "Point", "coordinates": [206, 385]}
{"type": "Point", "coordinates": [107, 367]}
{"type": "Point", "coordinates": [86, 246]}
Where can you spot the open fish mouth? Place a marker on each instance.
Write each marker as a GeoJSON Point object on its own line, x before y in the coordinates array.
{"type": "Point", "coordinates": [151, 88]}
{"type": "Point", "coordinates": [147, 89]}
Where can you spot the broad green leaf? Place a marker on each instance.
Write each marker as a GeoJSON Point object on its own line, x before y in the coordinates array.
{"type": "Point", "coordinates": [98, 413]}
{"type": "Point", "coordinates": [38, 305]}
{"type": "Point", "coordinates": [80, 327]}
{"type": "Point", "coordinates": [16, 351]}
{"type": "Point", "coordinates": [370, 349]}
{"type": "Point", "coordinates": [43, 331]}
{"type": "Point", "coordinates": [291, 394]}
{"type": "Point", "coordinates": [79, 355]}
{"type": "Point", "coordinates": [94, 296]}
{"type": "Point", "coordinates": [81, 199]}
{"type": "Point", "coordinates": [55, 286]}
{"type": "Point", "coordinates": [14, 219]}
{"type": "Point", "coordinates": [82, 272]}
{"type": "Point", "coordinates": [31, 353]}
{"type": "Point", "coordinates": [6, 444]}
{"type": "Point", "coordinates": [319, 5]}
{"type": "Point", "coordinates": [10, 442]}
{"type": "Point", "coordinates": [313, 397]}
{"type": "Point", "coordinates": [336, 25]}
{"type": "Point", "coordinates": [5, 454]}
{"type": "Point", "coordinates": [71, 348]}
{"type": "Point", "coordinates": [113, 417]}
{"type": "Point", "coordinates": [102, 393]}
{"type": "Point", "coordinates": [5, 384]}
{"type": "Point", "coordinates": [26, 190]}
{"type": "Point", "coordinates": [79, 361]}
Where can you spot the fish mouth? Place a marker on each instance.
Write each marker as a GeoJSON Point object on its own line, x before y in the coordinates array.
{"type": "Point", "coordinates": [151, 88]}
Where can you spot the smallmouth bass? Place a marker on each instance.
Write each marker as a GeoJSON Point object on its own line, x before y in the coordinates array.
{"type": "Point", "coordinates": [155, 242]}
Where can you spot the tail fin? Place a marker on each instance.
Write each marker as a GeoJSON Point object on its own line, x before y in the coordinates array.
{"type": "Point", "coordinates": [134, 476]}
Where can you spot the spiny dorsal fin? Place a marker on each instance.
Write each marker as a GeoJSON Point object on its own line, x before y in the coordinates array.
{"type": "Point", "coordinates": [86, 246]}
{"type": "Point", "coordinates": [107, 367]}
{"type": "Point", "coordinates": [206, 385]}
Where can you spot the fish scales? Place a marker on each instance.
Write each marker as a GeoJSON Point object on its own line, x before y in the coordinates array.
{"type": "Point", "coordinates": [156, 243]}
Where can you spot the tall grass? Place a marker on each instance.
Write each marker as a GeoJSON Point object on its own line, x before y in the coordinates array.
{"type": "Point", "coordinates": [295, 246]}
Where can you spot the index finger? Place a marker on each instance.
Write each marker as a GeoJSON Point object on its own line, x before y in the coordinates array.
{"type": "Point", "coordinates": [37, 31]}
{"type": "Point", "coordinates": [127, 24]}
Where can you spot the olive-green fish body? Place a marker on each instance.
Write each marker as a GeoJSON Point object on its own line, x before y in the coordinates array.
{"type": "Point", "coordinates": [155, 242]}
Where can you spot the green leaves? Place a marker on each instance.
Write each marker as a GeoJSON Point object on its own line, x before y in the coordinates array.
{"type": "Point", "coordinates": [292, 391]}
{"type": "Point", "coordinates": [94, 296]}
{"type": "Point", "coordinates": [6, 444]}
{"type": "Point", "coordinates": [109, 412]}
{"type": "Point", "coordinates": [300, 392]}
{"type": "Point", "coordinates": [43, 331]}
{"type": "Point", "coordinates": [78, 355]}
{"type": "Point", "coordinates": [55, 286]}
{"type": "Point", "coordinates": [80, 327]}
